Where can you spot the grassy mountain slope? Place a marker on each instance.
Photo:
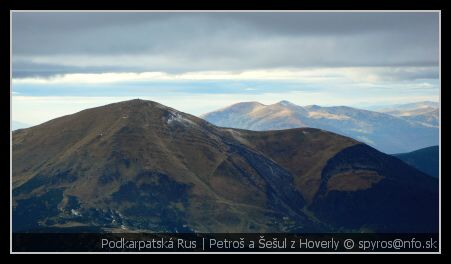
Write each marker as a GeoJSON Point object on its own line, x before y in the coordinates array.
{"type": "Point", "coordinates": [138, 165]}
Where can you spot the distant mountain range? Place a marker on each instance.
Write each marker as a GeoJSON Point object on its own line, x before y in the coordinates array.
{"type": "Point", "coordinates": [141, 166]}
{"type": "Point", "coordinates": [425, 160]}
{"type": "Point", "coordinates": [406, 107]}
{"type": "Point", "coordinates": [18, 125]}
{"type": "Point", "coordinates": [388, 132]}
{"type": "Point", "coordinates": [427, 117]}
{"type": "Point", "coordinates": [425, 113]}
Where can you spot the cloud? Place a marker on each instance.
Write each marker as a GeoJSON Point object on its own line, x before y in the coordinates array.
{"type": "Point", "coordinates": [196, 62]}
{"type": "Point", "coordinates": [304, 75]}
{"type": "Point", "coordinates": [46, 44]}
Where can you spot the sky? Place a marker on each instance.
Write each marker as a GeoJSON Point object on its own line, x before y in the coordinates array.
{"type": "Point", "coordinates": [196, 62]}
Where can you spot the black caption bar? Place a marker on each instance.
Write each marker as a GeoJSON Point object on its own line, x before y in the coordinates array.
{"type": "Point", "coordinates": [166, 242]}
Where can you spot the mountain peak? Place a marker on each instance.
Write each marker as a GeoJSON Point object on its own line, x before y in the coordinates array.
{"type": "Point", "coordinates": [313, 107]}
{"type": "Point", "coordinates": [253, 103]}
{"type": "Point", "coordinates": [243, 106]}
{"type": "Point", "coordinates": [285, 103]}
{"type": "Point", "coordinates": [138, 102]}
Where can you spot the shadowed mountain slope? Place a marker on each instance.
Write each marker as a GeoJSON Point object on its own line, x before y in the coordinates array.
{"type": "Point", "coordinates": [425, 160]}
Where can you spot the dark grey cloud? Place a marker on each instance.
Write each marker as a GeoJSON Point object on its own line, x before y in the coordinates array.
{"type": "Point", "coordinates": [51, 43]}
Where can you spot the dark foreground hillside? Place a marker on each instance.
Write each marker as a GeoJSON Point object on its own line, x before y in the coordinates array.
{"type": "Point", "coordinates": [425, 160]}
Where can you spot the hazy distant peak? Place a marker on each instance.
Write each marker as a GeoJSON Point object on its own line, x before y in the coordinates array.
{"type": "Point", "coordinates": [422, 104]}
{"type": "Point", "coordinates": [314, 106]}
{"type": "Point", "coordinates": [285, 103]}
{"type": "Point", "coordinates": [243, 106]}
{"type": "Point", "coordinates": [408, 106]}
{"type": "Point", "coordinates": [254, 103]}
{"type": "Point", "coordinates": [18, 125]}
{"type": "Point", "coordinates": [428, 104]}
{"type": "Point", "coordinates": [289, 106]}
